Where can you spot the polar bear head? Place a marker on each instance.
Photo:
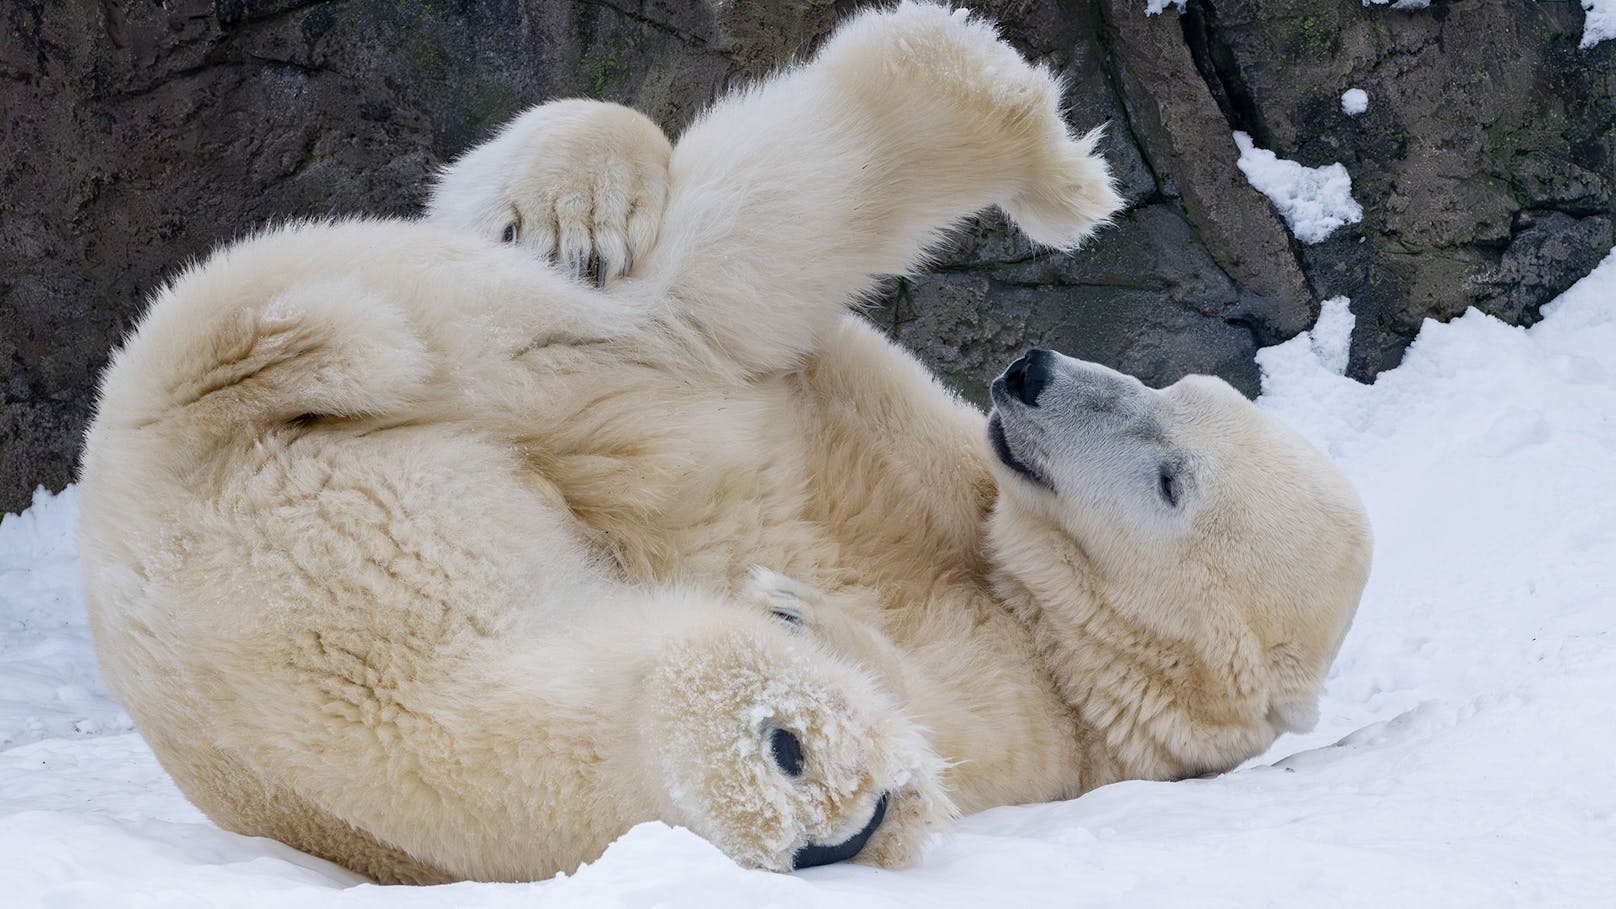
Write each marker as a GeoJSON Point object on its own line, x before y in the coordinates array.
{"type": "Point", "coordinates": [1184, 519]}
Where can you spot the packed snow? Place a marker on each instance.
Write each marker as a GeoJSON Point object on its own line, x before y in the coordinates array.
{"type": "Point", "coordinates": [1463, 756]}
{"type": "Point", "coordinates": [1354, 101]}
{"type": "Point", "coordinates": [1154, 7]}
{"type": "Point", "coordinates": [1314, 201]}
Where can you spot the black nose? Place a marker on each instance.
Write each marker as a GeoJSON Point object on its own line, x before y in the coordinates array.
{"type": "Point", "coordinates": [812, 856]}
{"type": "Point", "coordinates": [1027, 376]}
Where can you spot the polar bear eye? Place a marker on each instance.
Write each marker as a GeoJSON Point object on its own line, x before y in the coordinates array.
{"type": "Point", "coordinates": [1167, 485]}
{"type": "Point", "coordinates": [509, 236]}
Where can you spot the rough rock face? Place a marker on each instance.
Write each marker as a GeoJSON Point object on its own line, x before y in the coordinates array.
{"type": "Point", "coordinates": [136, 136]}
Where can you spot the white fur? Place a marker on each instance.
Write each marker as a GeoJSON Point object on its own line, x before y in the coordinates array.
{"type": "Point", "coordinates": [409, 551]}
{"type": "Point", "coordinates": [583, 182]}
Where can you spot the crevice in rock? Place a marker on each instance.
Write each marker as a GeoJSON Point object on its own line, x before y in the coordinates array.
{"type": "Point", "coordinates": [112, 23]}
{"type": "Point", "coordinates": [234, 13]}
{"type": "Point", "coordinates": [643, 19]}
{"type": "Point", "coordinates": [1215, 61]}
{"type": "Point", "coordinates": [1113, 81]}
{"type": "Point", "coordinates": [1259, 336]}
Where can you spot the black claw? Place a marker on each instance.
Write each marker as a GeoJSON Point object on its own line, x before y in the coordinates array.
{"type": "Point", "coordinates": [812, 856]}
{"type": "Point", "coordinates": [787, 751]}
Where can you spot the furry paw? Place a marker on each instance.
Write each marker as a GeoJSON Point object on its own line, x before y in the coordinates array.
{"type": "Point", "coordinates": [784, 756]}
{"type": "Point", "coordinates": [582, 183]}
{"type": "Point", "coordinates": [1064, 188]}
{"type": "Point", "coordinates": [1071, 194]}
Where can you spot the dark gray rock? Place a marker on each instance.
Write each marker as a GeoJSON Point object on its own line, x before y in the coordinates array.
{"type": "Point", "coordinates": [1485, 121]}
{"type": "Point", "coordinates": [136, 136]}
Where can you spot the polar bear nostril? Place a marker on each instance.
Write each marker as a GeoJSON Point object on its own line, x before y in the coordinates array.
{"type": "Point", "coordinates": [787, 751]}
{"type": "Point", "coordinates": [1027, 376]}
{"type": "Point", "coordinates": [1016, 376]}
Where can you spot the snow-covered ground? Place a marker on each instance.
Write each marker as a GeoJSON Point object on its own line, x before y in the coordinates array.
{"type": "Point", "coordinates": [1464, 758]}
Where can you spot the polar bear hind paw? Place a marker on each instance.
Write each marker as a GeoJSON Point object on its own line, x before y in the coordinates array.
{"type": "Point", "coordinates": [786, 757]}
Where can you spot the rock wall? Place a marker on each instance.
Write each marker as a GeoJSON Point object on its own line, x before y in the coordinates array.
{"type": "Point", "coordinates": [137, 135]}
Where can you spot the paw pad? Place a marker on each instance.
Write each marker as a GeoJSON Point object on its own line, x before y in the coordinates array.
{"type": "Point", "coordinates": [787, 751]}
{"type": "Point", "coordinates": [814, 855]}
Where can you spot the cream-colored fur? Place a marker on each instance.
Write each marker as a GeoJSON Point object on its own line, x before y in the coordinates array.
{"type": "Point", "coordinates": [409, 551]}
{"type": "Point", "coordinates": [1183, 652]}
{"type": "Point", "coordinates": [579, 181]}
{"type": "Point", "coordinates": [1174, 650]}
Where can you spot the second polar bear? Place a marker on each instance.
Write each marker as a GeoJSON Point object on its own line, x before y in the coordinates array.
{"type": "Point", "coordinates": [408, 551]}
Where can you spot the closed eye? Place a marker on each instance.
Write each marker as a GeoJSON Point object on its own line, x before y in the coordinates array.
{"type": "Point", "coordinates": [1167, 485]}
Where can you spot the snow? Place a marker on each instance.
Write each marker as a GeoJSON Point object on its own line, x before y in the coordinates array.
{"type": "Point", "coordinates": [1399, 4]}
{"type": "Point", "coordinates": [1462, 757]}
{"type": "Point", "coordinates": [49, 687]}
{"type": "Point", "coordinates": [1314, 201]}
{"type": "Point", "coordinates": [1153, 7]}
{"type": "Point", "coordinates": [1330, 339]}
{"type": "Point", "coordinates": [1600, 24]}
{"type": "Point", "coordinates": [1354, 101]}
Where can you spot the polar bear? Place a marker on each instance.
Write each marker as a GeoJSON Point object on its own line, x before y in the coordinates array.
{"type": "Point", "coordinates": [407, 549]}
{"type": "Point", "coordinates": [1181, 566]}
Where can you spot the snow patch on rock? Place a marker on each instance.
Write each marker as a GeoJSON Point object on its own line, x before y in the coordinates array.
{"type": "Point", "coordinates": [1314, 201]}
{"type": "Point", "coordinates": [1600, 24]}
{"type": "Point", "coordinates": [1354, 101]}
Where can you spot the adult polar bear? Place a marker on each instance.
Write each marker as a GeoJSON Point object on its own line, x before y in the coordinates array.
{"type": "Point", "coordinates": [360, 503]}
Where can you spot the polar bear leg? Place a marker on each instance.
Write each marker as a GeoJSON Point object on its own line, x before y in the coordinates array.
{"type": "Point", "coordinates": [513, 760]}
{"type": "Point", "coordinates": [789, 199]}
{"type": "Point", "coordinates": [846, 622]}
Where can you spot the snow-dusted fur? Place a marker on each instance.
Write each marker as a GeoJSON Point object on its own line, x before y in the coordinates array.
{"type": "Point", "coordinates": [410, 551]}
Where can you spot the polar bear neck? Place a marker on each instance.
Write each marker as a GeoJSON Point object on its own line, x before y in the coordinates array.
{"type": "Point", "coordinates": [1150, 700]}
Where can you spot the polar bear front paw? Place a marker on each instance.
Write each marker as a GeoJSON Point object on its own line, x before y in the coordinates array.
{"type": "Point", "coordinates": [581, 183]}
{"type": "Point", "coordinates": [785, 757]}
